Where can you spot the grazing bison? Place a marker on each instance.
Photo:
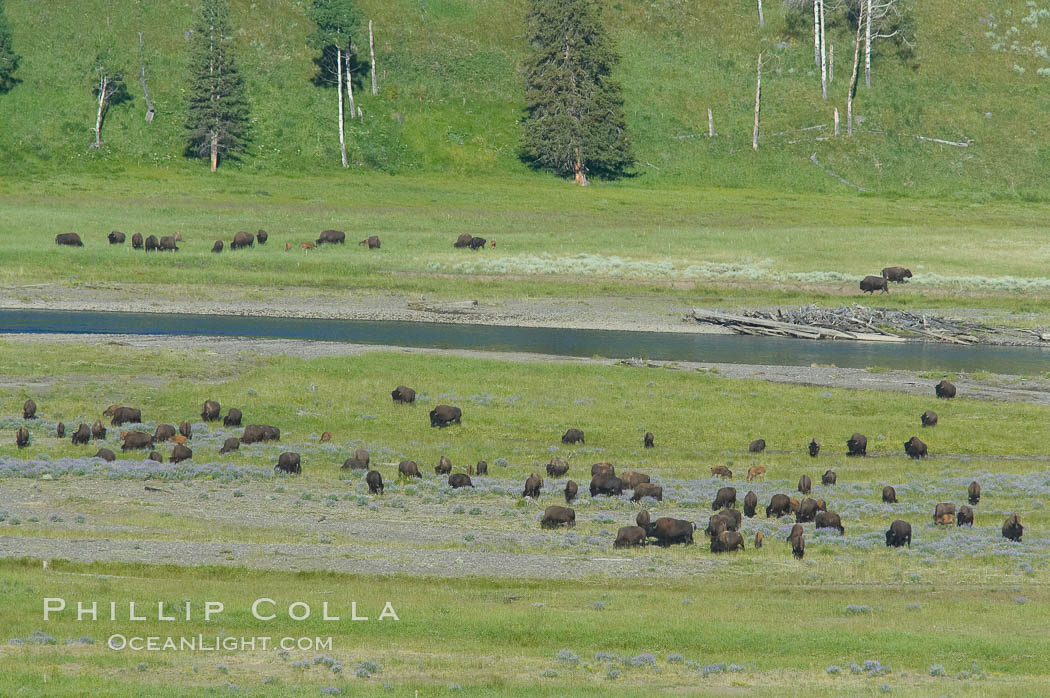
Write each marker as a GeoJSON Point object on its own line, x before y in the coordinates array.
{"type": "Point", "coordinates": [964, 517]}
{"type": "Point", "coordinates": [632, 479]}
{"type": "Point", "coordinates": [331, 237]}
{"type": "Point", "coordinates": [721, 471]}
{"type": "Point", "coordinates": [289, 462]}
{"type": "Point", "coordinates": [254, 433]}
{"type": "Point", "coordinates": [477, 243]}
{"type": "Point", "coordinates": [805, 484]}
{"type": "Point", "coordinates": [230, 444]}
{"type": "Point", "coordinates": [814, 448]}
{"type": "Point", "coordinates": [155, 457]}
{"type": "Point", "coordinates": [372, 241]}
{"type": "Point", "coordinates": [889, 495]}
{"type": "Point", "coordinates": [1012, 528]}
{"type": "Point", "coordinates": [459, 480]}
{"type": "Point", "coordinates": [123, 415]}
{"type": "Point", "coordinates": [602, 468]}
{"type": "Point", "coordinates": [796, 530]}
{"type": "Point", "coordinates": [870, 284]}
{"type": "Point", "coordinates": [408, 468]}
{"type": "Point", "coordinates": [71, 239]}
{"type": "Point", "coordinates": [829, 478]}
{"type": "Point", "coordinates": [106, 455]}
{"type": "Point", "coordinates": [136, 440]}
{"type": "Point", "coordinates": [463, 240]}
{"type": "Point", "coordinates": [571, 490]}
{"type": "Point", "coordinates": [185, 429]}
{"type": "Point", "coordinates": [725, 520]}
{"type": "Point", "coordinates": [725, 498]}
{"type": "Point", "coordinates": [668, 531]}
{"type": "Point", "coordinates": [232, 418]}
{"type": "Point", "coordinates": [750, 504]}
{"type": "Point", "coordinates": [630, 536]}
{"type": "Point", "coordinates": [898, 534]}
{"type": "Point", "coordinates": [152, 243]}
{"type": "Point", "coordinates": [757, 446]}
{"type": "Point", "coordinates": [557, 467]}
{"type": "Point", "coordinates": [482, 468]}
{"type": "Point", "coordinates": [573, 436]}
{"type": "Point", "coordinates": [915, 448]}
{"type": "Point", "coordinates": [22, 437]}
{"type": "Point", "coordinates": [798, 547]}
{"type": "Point", "coordinates": [136, 241]}
{"type": "Point", "coordinates": [829, 519]}
{"type": "Point", "coordinates": [647, 440]}
{"type": "Point", "coordinates": [444, 466]}
{"type": "Point", "coordinates": [807, 510]}
{"type": "Point", "coordinates": [167, 244]}
{"type": "Point", "coordinates": [403, 394]}
{"type": "Point", "coordinates": [944, 514]}
{"type": "Point", "coordinates": [180, 453]}
{"type": "Point", "coordinates": [779, 505]}
{"type": "Point", "coordinates": [217, 247]}
{"type": "Point", "coordinates": [443, 415]}
{"type": "Point", "coordinates": [929, 418]}
{"type": "Point", "coordinates": [164, 432]}
{"type": "Point", "coordinates": [241, 240]}
{"type": "Point", "coordinates": [98, 431]}
{"type": "Point", "coordinates": [793, 505]}
{"type": "Point", "coordinates": [361, 459]}
{"type": "Point", "coordinates": [646, 489]}
{"type": "Point", "coordinates": [642, 519]}
{"type": "Point", "coordinates": [116, 238]}
{"type": "Point", "coordinates": [608, 485]}
{"type": "Point", "coordinates": [262, 236]}
{"type": "Point", "coordinates": [944, 390]}
{"type": "Point", "coordinates": [974, 492]}
{"type": "Point", "coordinates": [758, 539]}
{"type": "Point", "coordinates": [755, 471]}
{"type": "Point", "coordinates": [82, 435]}
{"type": "Point", "coordinates": [857, 445]}
{"type": "Point", "coordinates": [555, 516]}
{"type": "Point", "coordinates": [60, 430]}
{"type": "Point", "coordinates": [375, 481]}
{"type": "Point", "coordinates": [29, 410]}
{"type": "Point", "coordinates": [533, 485]}
{"type": "Point", "coordinates": [727, 542]}
{"type": "Point", "coordinates": [896, 274]}
{"type": "Point", "coordinates": [210, 411]}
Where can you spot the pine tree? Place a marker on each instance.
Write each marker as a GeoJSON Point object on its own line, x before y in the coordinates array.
{"type": "Point", "coordinates": [8, 58]}
{"type": "Point", "coordinates": [217, 122]}
{"type": "Point", "coordinates": [574, 123]}
{"type": "Point", "coordinates": [337, 21]}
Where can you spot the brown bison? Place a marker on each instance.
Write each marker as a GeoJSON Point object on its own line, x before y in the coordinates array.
{"type": "Point", "coordinates": [602, 468]}
{"type": "Point", "coordinates": [807, 510]}
{"type": "Point", "coordinates": [889, 495]}
{"type": "Point", "coordinates": [779, 505]}
{"type": "Point", "coordinates": [459, 480]}
{"type": "Point", "coordinates": [725, 498]}
{"type": "Point", "coordinates": [106, 455]}
{"type": "Point", "coordinates": [443, 415]}
{"type": "Point", "coordinates": [210, 411]}
{"type": "Point", "coordinates": [758, 539]}
{"type": "Point", "coordinates": [408, 468]}
{"type": "Point", "coordinates": [798, 547]}
{"type": "Point", "coordinates": [403, 394]}
{"type": "Point", "coordinates": [116, 238]}
{"type": "Point", "coordinates": [722, 521]}
{"type": "Point", "coordinates": [721, 471]}
{"type": "Point", "coordinates": [533, 485]}
{"type": "Point", "coordinates": [136, 440]}
{"type": "Point", "coordinates": [180, 453]}
{"type": "Point", "coordinates": [571, 490]}
{"type": "Point", "coordinates": [643, 520]}
{"type": "Point", "coordinates": [896, 274]}
{"type": "Point", "coordinates": [608, 485]}
{"type": "Point", "coordinates": [944, 390]}
{"type": "Point", "coordinates": [123, 415]}
{"type": "Point", "coordinates": [630, 536]}
{"type": "Point", "coordinates": [60, 430]}
{"type": "Point", "coordinates": [22, 437]}
{"type": "Point", "coordinates": [757, 446]}
{"type": "Point", "coordinates": [167, 244]}
{"type": "Point", "coordinates": [973, 492]}
{"type": "Point", "coordinates": [573, 436]}
{"type": "Point", "coordinates": [255, 433]}
{"type": "Point", "coordinates": [289, 462]}
{"type": "Point", "coordinates": [463, 240]}
{"type": "Point", "coordinates": [964, 517]}
{"type": "Point", "coordinates": [372, 241]}
{"type": "Point", "coordinates": [796, 530]}
{"type": "Point", "coordinates": [164, 432]}
{"type": "Point", "coordinates": [217, 247]}
{"type": "Point", "coordinates": [647, 440]}
{"type": "Point", "coordinates": [261, 236]}
{"type": "Point", "coordinates": [557, 467]}
{"type": "Point", "coordinates": [805, 484]}
{"type": "Point", "coordinates": [857, 445]}
{"type": "Point", "coordinates": [915, 448]}
{"type": "Point", "coordinates": [185, 429]}
{"type": "Point", "coordinates": [829, 519]}
{"type": "Point", "coordinates": [793, 505]}
{"type": "Point", "coordinates": [29, 410]}
{"type": "Point", "coordinates": [814, 448]}
{"type": "Point", "coordinates": [477, 243]}
{"type": "Point", "coordinates": [944, 514]}
{"type": "Point", "coordinates": [750, 504]}
{"type": "Point", "coordinates": [232, 418]}
{"type": "Point", "coordinates": [331, 237]}
{"type": "Point", "coordinates": [71, 239]}
{"type": "Point", "coordinates": [155, 457]}
{"type": "Point", "coordinates": [555, 516]}
{"type": "Point", "coordinates": [482, 468]}
{"type": "Point", "coordinates": [870, 284]}
{"type": "Point", "coordinates": [136, 241]}
{"type": "Point", "coordinates": [241, 240]}
{"type": "Point", "coordinates": [668, 531]}
{"type": "Point", "coordinates": [82, 435]}
{"type": "Point", "coordinates": [151, 243]}
{"type": "Point", "coordinates": [230, 444]}
{"type": "Point", "coordinates": [929, 418]}
{"type": "Point", "coordinates": [829, 478]}
{"type": "Point", "coordinates": [361, 459]}
{"type": "Point", "coordinates": [898, 534]}
{"type": "Point", "coordinates": [98, 431]}
{"type": "Point", "coordinates": [755, 471]}
{"type": "Point", "coordinates": [646, 489]}
{"type": "Point", "coordinates": [444, 466]}
{"type": "Point", "coordinates": [727, 542]}
{"type": "Point", "coordinates": [632, 479]}
{"type": "Point", "coordinates": [1012, 528]}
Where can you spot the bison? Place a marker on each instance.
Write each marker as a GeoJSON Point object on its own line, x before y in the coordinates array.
{"type": "Point", "coordinates": [164, 432]}
{"type": "Point", "coordinates": [630, 536]}
{"type": "Point", "coordinates": [755, 471]}
{"type": "Point", "coordinates": [261, 236]}
{"type": "Point", "coordinates": [116, 238]}
{"type": "Point", "coordinates": [155, 457]}
{"type": "Point", "coordinates": [929, 418]}
{"type": "Point", "coordinates": [915, 448]}
{"type": "Point", "coordinates": [241, 240]}
{"type": "Point", "coordinates": [829, 478]}
{"type": "Point", "coordinates": [727, 542]}
{"type": "Point", "coordinates": [533, 485]}
{"type": "Point", "coordinates": [602, 468]}
{"type": "Point", "coordinates": [210, 411]}
{"type": "Point", "coordinates": [857, 445]}
{"type": "Point", "coordinates": [408, 468]}
{"type": "Point", "coordinates": [555, 516]}
{"type": "Point", "coordinates": [721, 471]}
{"type": "Point", "coordinates": [796, 530]}
{"type": "Point", "coordinates": [22, 437]}
{"type": "Point", "coordinates": [896, 274]}
{"type": "Point", "coordinates": [779, 505]}
{"type": "Point", "coordinates": [482, 468]}
{"type": "Point", "coordinates": [814, 448]}
{"type": "Point", "coordinates": [646, 489]}
{"type": "Point", "coordinates": [185, 429]}
{"type": "Point", "coordinates": [167, 244]}
{"type": "Point", "coordinates": [964, 517]}
{"type": "Point", "coordinates": [106, 455]}
{"type": "Point", "coordinates": [573, 436]}
{"type": "Point", "coordinates": [361, 459]}
{"type": "Point", "coordinates": [459, 480]}
{"type": "Point", "coordinates": [124, 415]}
{"type": "Point", "coordinates": [805, 484]}
{"type": "Point", "coordinates": [230, 444]}
{"type": "Point", "coordinates": [152, 244]}
{"type": "Point", "coordinates": [136, 241]}
{"type": "Point", "coordinates": [443, 415]}
{"type": "Point", "coordinates": [180, 453]}
{"type": "Point", "coordinates": [944, 514]}
{"type": "Point", "coordinates": [725, 498]}
{"type": "Point", "coordinates": [829, 519]}
{"type": "Point", "coordinates": [463, 240]}
{"type": "Point", "coordinates": [331, 237]}
{"type": "Point", "coordinates": [255, 433]}
{"type": "Point", "coordinates": [898, 534]}
{"type": "Point", "coordinates": [944, 390]}
{"type": "Point", "coordinates": [571, 490]}
{"type": "Point", "coordinates": [98, 431]}
{"type": "Point", "coordinates": [403, 394]}
{"type": "Point", "coordinates": [60, 430]}
{"type": "Point", "coordinates": [798, 547]}
{"type": "Point", "coordinates": [232, 418]}
{"type": "Point", "coordinates": [557, 467]}
{"type": "Point", "coordinates": [1012, 528]}
{"type": "Point", "coordinates": [758, 539]}
{"type": "Point", "coordinates": [136, 440]}
{"type": "Point", "coordinates": [444, 466]}
{"type": "Point", "coordinates": [750, 504]}
{"type": "Point", "coordinates": [807, 510]}
{"type": "Point", "coordinates": [889, 495]}
{"type": "Point", "coordinates": [973, 492]}
{"type": "Point", "coordinates": [217, 247]}
{"type": "Point", "coordinates": [71, 239]}
{"type": "Point", "coordinates": [642, 519]}
{"type": "Point", "coordinates": [757, 446]}
{"type": "Point", "coordinates": [608, 485]}
{"type": "Point", "coordinates": [372, 241]}
{"type": "Point", "coordinates": [725, 520]}
{"type": "Point", "coordinates": [477, 243]}
{"type": "Point", "coordinates": [82, 435]}
{"type": "Point", "coordinates": [29, 410]}
{"type": "Point", "coordinates": [289, 462]}
{"type": "Point", "coordinates": [870, 284]}
{"type": "Point", "coordinates": [632, 479]}
{"type": "Point", "coordinates": [647, 440]}
{"type": "Point", "coordinates": [668, 531]}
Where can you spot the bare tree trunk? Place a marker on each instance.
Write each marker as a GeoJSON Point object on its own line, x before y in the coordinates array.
{"type": "Point", "coordinates": [710, 124]}
{"type": "Point", "coordinates": [831, 64]}
{"type": "Point", "coordinates": [836, 121]}
{"type": "Point", "coordinates": [867, 46]}
{"type": "Point", "coordinates": [101, 103]}
{"type": "Point", "coordinates": [581, 177]}
{"type": "Point", "coordinates": [372, 54]}
{"type": "Point", "coordinates": [761, 19]}
{"type": "Point", "coordinates": [214, 150]}
{"type": "Point", "coordinates": [758, 103]}
{"type": "Point", "coordinates": [816, 34]}
{"type": "Point", "coordinates": [823, 55]}
{"type": "Point", "coordinates": [853, 77]}
{"type": "Point", "coordinates": [349, 84]}
{"type": "Point", "coordinates": [339, 87]}
{"type": "Point", "coordinates": [145, 90]}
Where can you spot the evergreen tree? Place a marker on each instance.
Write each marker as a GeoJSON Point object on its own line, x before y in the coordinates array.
{"type": "Point", "coordinates": [8, 58]}
{"type": "Point", "coordinates": [217, 122]}
{"type": "Point", "coordinates": [337, 21]}
{"type": "Point", "coordinates": [574, 123]}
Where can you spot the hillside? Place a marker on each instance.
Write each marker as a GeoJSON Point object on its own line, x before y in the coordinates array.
{"type": "Point", "coordinates": [450, 94]}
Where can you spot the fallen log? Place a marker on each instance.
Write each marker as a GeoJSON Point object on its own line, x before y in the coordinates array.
{"type": "Point", "coordinates": [760, 326]}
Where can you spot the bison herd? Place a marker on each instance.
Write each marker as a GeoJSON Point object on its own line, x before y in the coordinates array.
{"type": "Point", "coordinates": [240, 241]}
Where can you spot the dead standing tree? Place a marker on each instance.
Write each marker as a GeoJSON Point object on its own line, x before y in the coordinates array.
{"type": "Point", "coordinates": [111, 90]}
{"type": "Point", "coordinates": [882, 19]}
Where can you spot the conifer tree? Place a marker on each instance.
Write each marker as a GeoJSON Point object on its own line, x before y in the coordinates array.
{"type": "Point", "coordinates": [8, 58]}
{"type": "Point", "coordinates": [217, 122]}
{"type": "Point", "coordinates": [574, 123]}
